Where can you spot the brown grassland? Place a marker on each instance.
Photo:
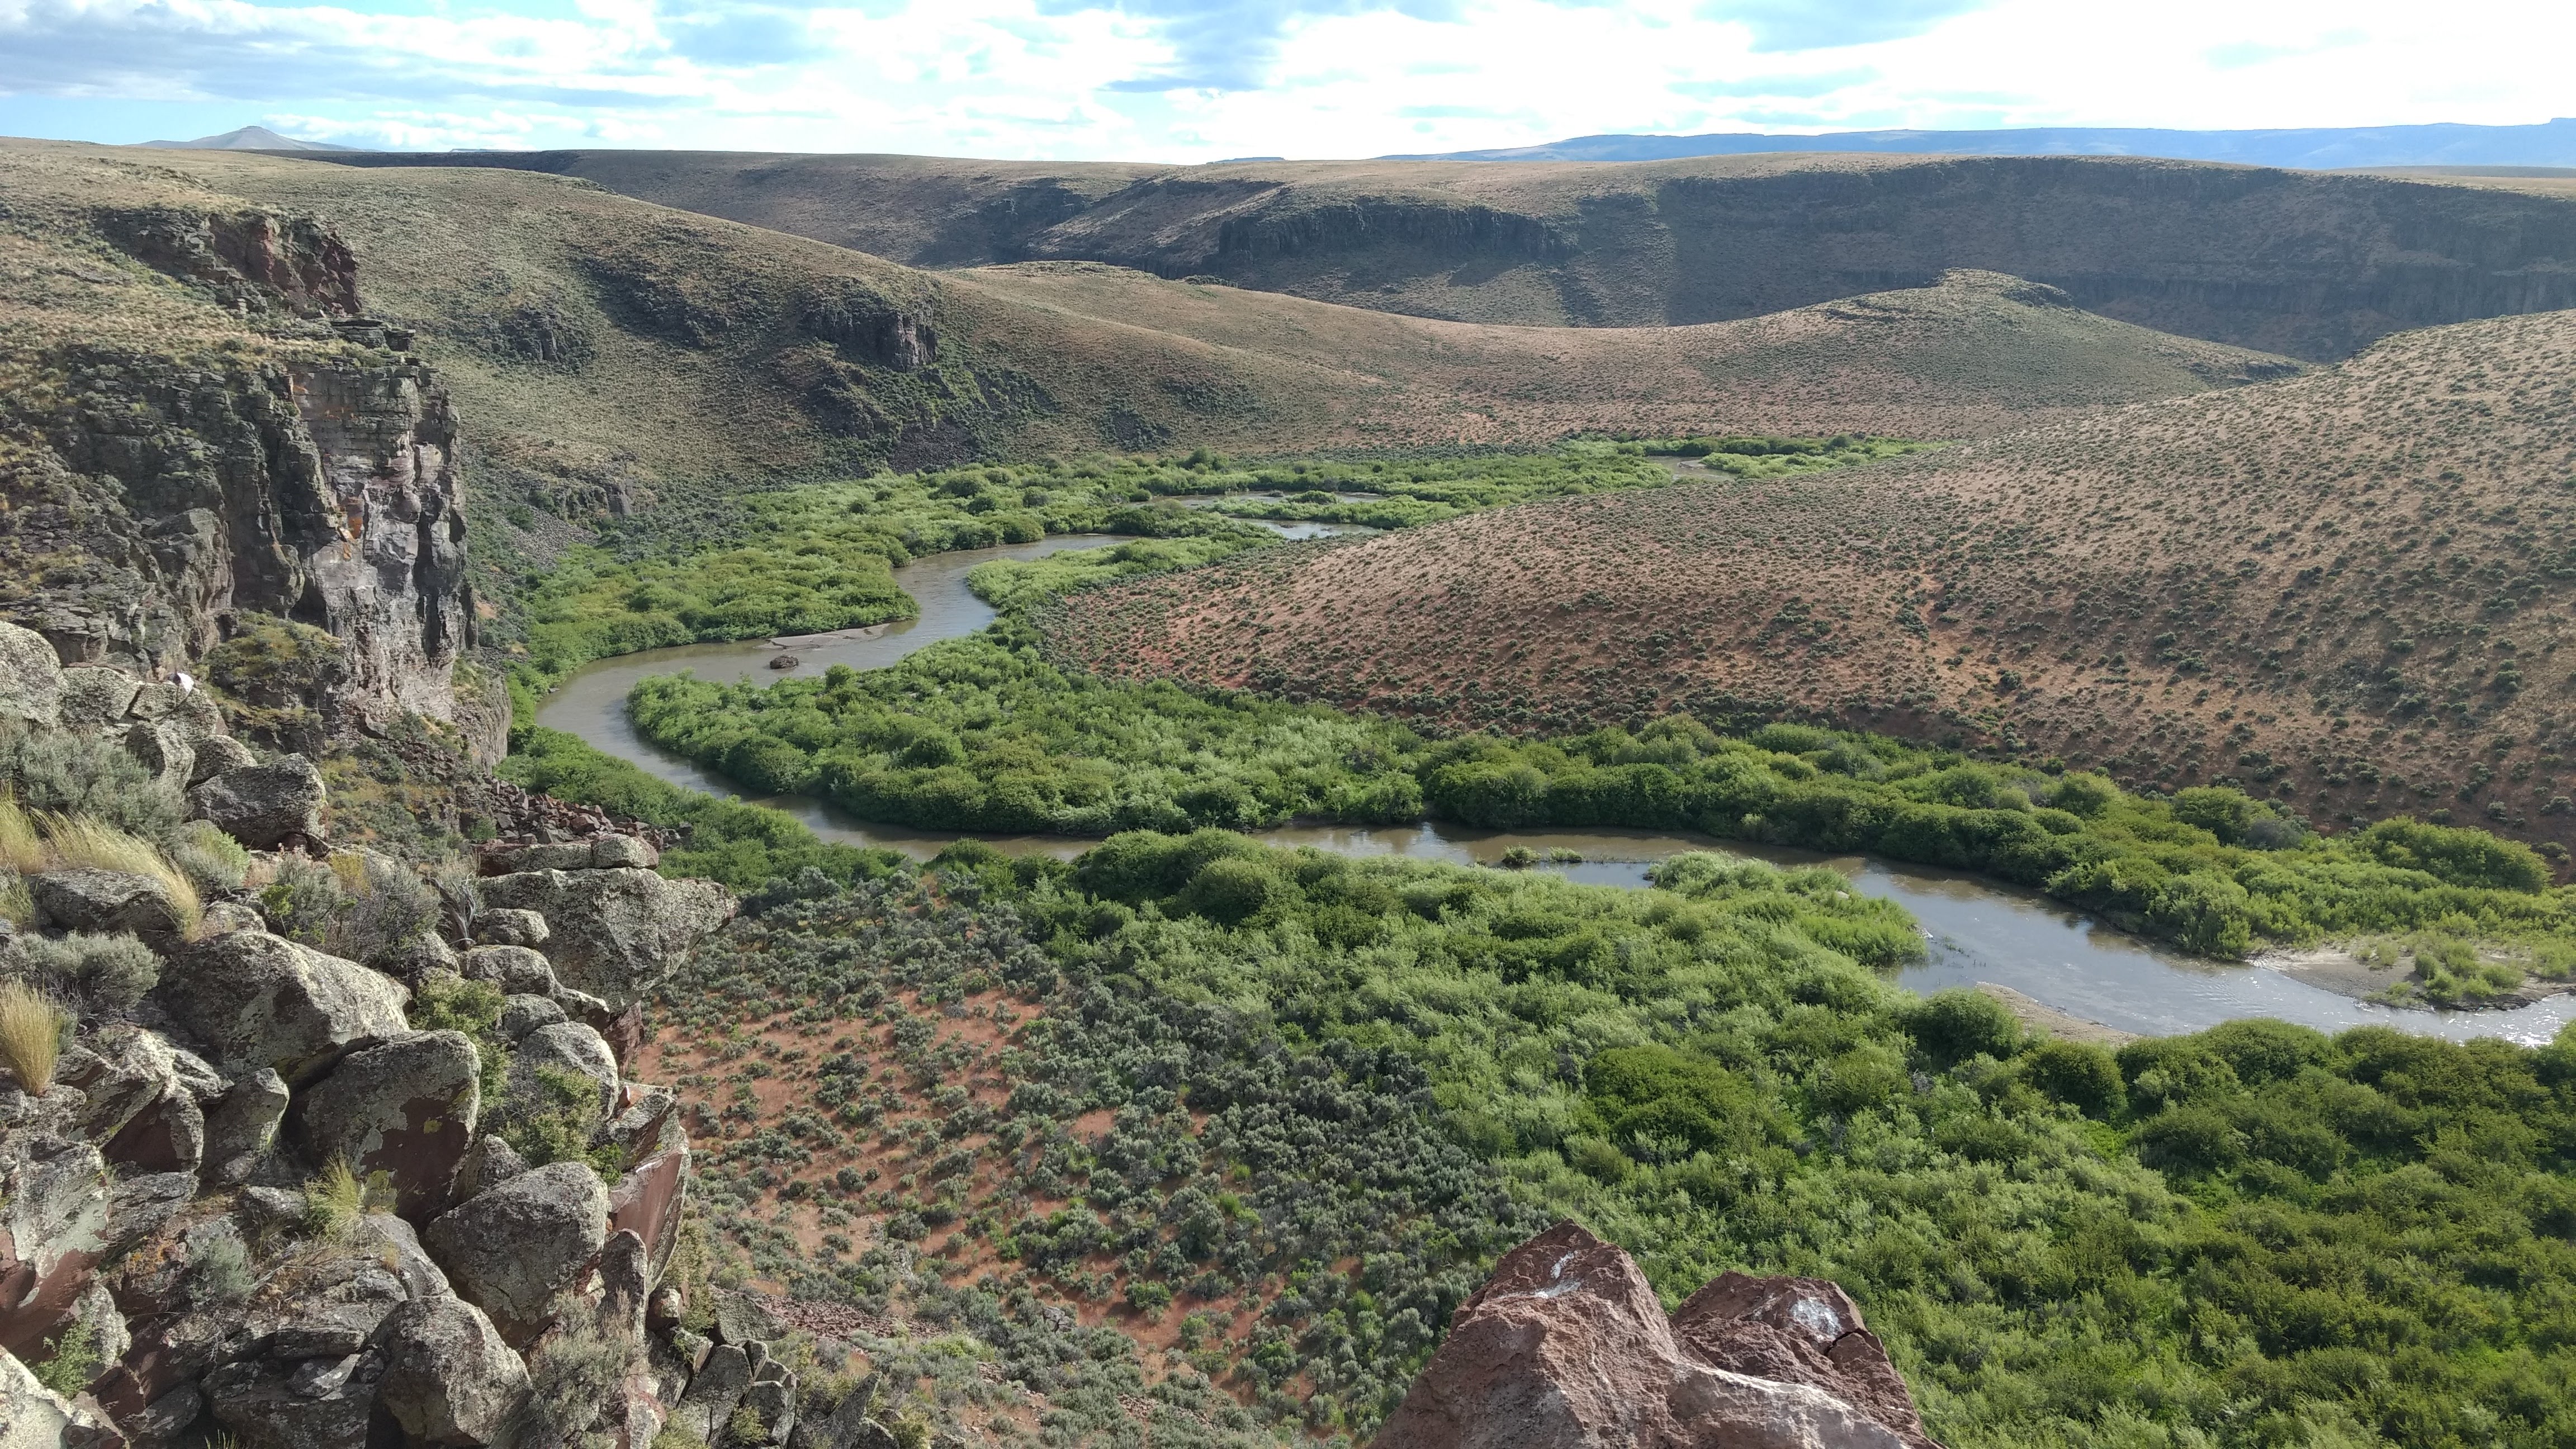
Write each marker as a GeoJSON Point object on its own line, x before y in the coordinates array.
{"type": "Point", "coordinates": [594, 342]}
{"type": "Point", "coordinates": [2354, 591]}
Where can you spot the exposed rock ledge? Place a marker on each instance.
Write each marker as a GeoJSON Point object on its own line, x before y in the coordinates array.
{"type": "Point", "coordinates": [1565, 1347]}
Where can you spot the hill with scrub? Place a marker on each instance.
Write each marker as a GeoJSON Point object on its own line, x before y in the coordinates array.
{"type": "Point", "coordinates": [2315, 265]}
{"type": "Point", "coordinates": [602, 349]}
{"type": "Point", "coordinates": [2348, 592]}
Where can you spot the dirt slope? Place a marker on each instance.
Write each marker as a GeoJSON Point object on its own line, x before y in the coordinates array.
{"type": "Point", "coordinates": [2353, 590]}
{"type": "Point", "coordinates": [605, 350]}
{"type": "Point", "coordinates": [2311, 264]}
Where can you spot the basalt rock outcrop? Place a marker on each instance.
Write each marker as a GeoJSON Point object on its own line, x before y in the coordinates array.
{"type": "Point", "coordinates": [168, 1228]}
{"type": "Point", "coordinates": [180, 502]}
{"type": "Point", "coordinates": [1565, 1347]}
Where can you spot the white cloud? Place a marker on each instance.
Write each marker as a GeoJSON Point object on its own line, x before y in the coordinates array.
{"type": "Point", "coordinates": [1075, 78]}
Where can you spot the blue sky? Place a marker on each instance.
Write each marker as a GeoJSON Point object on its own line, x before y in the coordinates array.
{"type": "Point", "coordinates": [1195, 80]}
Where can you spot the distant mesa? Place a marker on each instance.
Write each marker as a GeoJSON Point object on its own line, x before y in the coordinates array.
{"type": "Point", "coordinates": [2314, 148]}
{"type": "Point", "coordinates": [248, 138]}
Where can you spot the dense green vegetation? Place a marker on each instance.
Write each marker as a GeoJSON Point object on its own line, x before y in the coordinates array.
{"type": "Point", "coordinates": [2253, 1236]}
{"type": "Point", "coordinates": [984, 734]}
{"type": "Point", "coordinates": [811, 559]}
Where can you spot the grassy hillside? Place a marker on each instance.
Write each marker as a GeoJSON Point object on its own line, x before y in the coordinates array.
{"type": "Point", "coordinates": [603, 350]}
{"type": "Point", "coordinates": [2311, 264]}
{"type": "Point", "coordinates": [2348, 591]}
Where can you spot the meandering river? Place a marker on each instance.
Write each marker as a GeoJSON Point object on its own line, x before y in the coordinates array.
{"type": "Point", "coordinates": [1976, 931]}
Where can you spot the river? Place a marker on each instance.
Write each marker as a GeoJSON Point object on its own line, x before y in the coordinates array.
{"type": "Point", "coordinates": [1976, 930]}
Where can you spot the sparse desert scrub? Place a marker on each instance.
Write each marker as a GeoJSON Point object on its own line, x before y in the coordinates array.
{"type": "Point", "coordinates": [2347, 593]}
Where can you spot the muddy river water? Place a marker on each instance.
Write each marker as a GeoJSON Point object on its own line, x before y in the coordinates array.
{"type": "Point", "coordinates": [1976, 931]}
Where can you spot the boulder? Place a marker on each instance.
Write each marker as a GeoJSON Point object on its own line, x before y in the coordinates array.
{"type": "Point", "coordinates": [168, 1135]}
{"type": "Point", "coordinates": [413, 960]}
{"type": "Point", "coordinates": [35, 1417]}
{"type": "Point", "coordinates": [243, 1125]}
{"type": "Point", "coordinates": [404, 1256]}
{"type": "Point", "coordinates": [263, 1001]}
{"type": "Point", "coordinates": [406, 1108]}
{"type": "Point", "coordinates": [624, 1030]}
{"type": "Point", "coordinates": [121, 1071]}
{"type": "Point", "coordinates": [1565, 1347]}
{"type": "Point", "coordinates": [564, 1046]}
{"type": "Point", "coordinates": [615, 932]}
{"type": "Point", "coordinates": [521, 1015]}
{"type": "Point", "coordinates": [163, 747]}
{"type": "Point", "coordinates": [647, 1122]}
{"type": "Point", "coordinates": [96, 695]}
{"type": "Point", "coordinates": [745, 1320]}
{"type": "Point", "coordinates": [220, 755]}
{"type": "Point", "coordinates": [449, 1379]}
{"type": "Point", "coordinates": [164, 1419]}
{"type": "Point", "coordinates": [517, 970]}
{"type": "Point", "coordinates": [31, 677]}
{"type": "Point", "coordinates": [55, 1202]}
{"type": "Point", "coordinates": [610, 852]}
{"type": "Point", "coordinates": [106, 902]}
{"type": "Point", "coordinates": [647, 1203]}
{"type": "Point", "coordinates": [1799, 1330]}
{"type": "Point", "coordinates": [510, 1248]}
{"type": "Point", "coordinates": [263, 805]}
{"type": "Point", "coordinates": [715, 1391]}
{"type": "Point", "coordinates": [488, 1163]}
{"type": "Point", "coordinates": [546, 855]}
{"type": "Point", "coordinates": [625, 1285]}
{"type": "Point", "coordinates": [318, 1403]}
{"type": "Point", "coordinates": [509, 928]}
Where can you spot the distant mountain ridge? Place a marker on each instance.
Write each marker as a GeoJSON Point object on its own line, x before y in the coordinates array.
{"type": "Point", "coordinates": [248, 138]}
{"type": "Point", "coordinates": [2319, 148]}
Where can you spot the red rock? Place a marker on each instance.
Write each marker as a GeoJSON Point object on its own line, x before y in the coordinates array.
{"type": "Point", "coordinates": [1566, 1347]}
{"type": "Point", "coordinates": [647, 1202]}
{"type": "Point", "coordinates": [1799, 1330]}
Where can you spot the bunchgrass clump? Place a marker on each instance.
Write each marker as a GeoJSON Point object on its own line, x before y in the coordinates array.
{"type": "Point", "coordinates": [208, 856]}
{"type": "Point", "coordinates": [31, 1035]}
{"type": "Point", "coordinates": [336, 1200]}
{"type": "Point", "coordinates": [21, 848]}
{"type": "Point", "coordinates": [80, 840]}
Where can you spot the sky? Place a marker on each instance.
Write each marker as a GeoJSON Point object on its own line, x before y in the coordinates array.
{"type": "Point", "coordinates": [1203, 80]}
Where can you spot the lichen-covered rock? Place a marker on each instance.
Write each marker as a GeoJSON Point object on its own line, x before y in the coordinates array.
{"type": "Point", "coordinates": [35, 1417]}
{"type": "Point", "coordinates": [508, 1249]}
{"type": "Point", "coordinates": [317, 1403]}
{"type": "Point", "coordinates": [55, 1201]}
{"type": "Point", "coordinates": [449, 1379]}
{"type": "Point", "coordinates": [263, 805]}
{"type": "Point", "coordinates": [715, 1391]}
{"type": "Point", "coordinates": [163, 747]}
{"type": "Point", "coordinates": [615, 933]}
{"type": "Point", "coordinates": [566, 1050]}
{"type": "Point", "coordinates": [96, 696]}
{"type": "Point", "coordinates": [406, 1108]}
{"type": "Point", "coordinates": [31, 677]}
{"type": "Point", "coordinates": [488, 1163]}
{"type": "Point", "coordinates": [510, 928]}
{"type": "Point", "coordinates": [259, 1000]}
{"type": "Point", "coordinates": [219, 755]}
{"type": "Point", "coordinates": [523, 1014]}
{"type": "Point", "coordinates": [608, 852]}
{"type": "Point", "coordinates": [647, 1121]}
{"type": "Point", "coordinates": [517, 970]}
{"type": "Point", "coordinates": [168, 1135]}
{"type": "Point", "coordinates": [107, 903]}
{"type": "Point", "coordinates": [1565, 1347]}
{"type": "Point", "coordinates": [243, 1125]}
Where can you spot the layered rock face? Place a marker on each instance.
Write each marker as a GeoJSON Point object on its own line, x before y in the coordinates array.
{"type": "Point", "coordinates": [1565, 1347]}
{"type": "Point", "coordinates": [176, 498]}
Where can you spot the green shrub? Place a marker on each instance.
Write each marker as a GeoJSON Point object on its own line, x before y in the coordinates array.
{"type": "Point", "coordinates": [74, 1362]}
{"type": "Point", "coordinates": [1956, 1024]}
{"type": "Point", "coordinates": [2080, 1074]}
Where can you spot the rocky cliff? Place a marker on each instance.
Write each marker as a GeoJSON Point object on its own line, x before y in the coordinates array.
{"type": "Point", "coordinates": [257, 1188]}
{"type": "Point", "coordinates": [2315, 265]}
{"type": "Point", "coordinates": [168, 496]}
{"type": "Point", "coordinates": [1565, 1347]}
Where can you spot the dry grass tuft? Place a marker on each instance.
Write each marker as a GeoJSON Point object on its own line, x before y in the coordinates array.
{"type": "Point", "coordinates": [20, 847]}
{"type": "Point", "coordinates": [78, 840]}
{"type": "Point", "coordinates": [31, 1035]}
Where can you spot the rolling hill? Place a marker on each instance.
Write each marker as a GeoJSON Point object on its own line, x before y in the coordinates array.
{"type": "Point", "coordinates": [2353, 590]}
{"type": "Point", "coordinates": [2550, 143]}
{"type": "Point", "coordinates": [2309, 264]}
{"type": "Point", "coordinates": [603, 349]}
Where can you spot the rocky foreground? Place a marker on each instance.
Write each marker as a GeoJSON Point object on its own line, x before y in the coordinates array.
{"type": "Point", "coordinates": [1565, 1347]}
{"type": "Point", "coordinates": [180, 1256]}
